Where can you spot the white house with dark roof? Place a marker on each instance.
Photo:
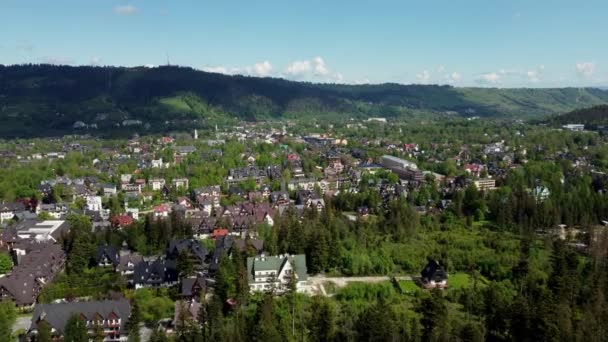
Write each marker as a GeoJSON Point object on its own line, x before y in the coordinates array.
{"type": "Point", "coordinates": [273, 273]}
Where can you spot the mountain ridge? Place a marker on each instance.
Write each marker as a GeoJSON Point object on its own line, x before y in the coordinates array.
{"type": "Point", "coordinates": [43, 99]}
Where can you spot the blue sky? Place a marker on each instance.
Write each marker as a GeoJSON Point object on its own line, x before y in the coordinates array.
{"type": "Point", "coordinates": [496, 43]}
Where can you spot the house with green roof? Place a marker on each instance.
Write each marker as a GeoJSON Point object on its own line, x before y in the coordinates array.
{"type": "Point", "coordinates": [267, 273]}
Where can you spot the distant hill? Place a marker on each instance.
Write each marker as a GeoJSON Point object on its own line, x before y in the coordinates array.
{"type": "Point", "coordinates": [590, 117]}
{"type": "Point", "coordinates": [48, 100]}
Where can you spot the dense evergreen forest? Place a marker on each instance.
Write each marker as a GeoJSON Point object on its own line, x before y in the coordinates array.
{"type": "Point", "coordinates": [591, 117]}
{"type": "Point", "coordinates": [49, 100]}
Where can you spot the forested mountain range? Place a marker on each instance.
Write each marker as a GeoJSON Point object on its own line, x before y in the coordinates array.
{"type": "Point", "coordinates": [48, 99]}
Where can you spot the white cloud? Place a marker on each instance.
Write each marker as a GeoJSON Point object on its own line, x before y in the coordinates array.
{"type": "Point", "coordinates": [125, 10]}
{"type": "Point", "coordinates": [441, 68]}
{"type": "Point", "coordinates": [149, 66]}
{"type": "Point", "coordinates": [315, 70]}
{"type": "Point", "coordinates": [363, 81]}
{"type": "Point", "coordinates": [454, 77]}
{"type": "Point", "coordinates": [298, 68]}
{"type": "Point", "coordinates": [490, 78]}
{"type": "Point", "coordinates": [261, 69]}
{"type": "Point", "coordinates": [424, 76]}
{"type": "Point", "coordinates": [338, 78]}
{"type": "Point", "coordinates": [95, 61]}
{"type": "Point", "coordinates": [585, 70]}
{"type": "Point", "coordinates": [216, 69]}
{"type": "Point", "coordinates": [320, 67]}
{"type": "Point", "coordinates": [533, 76]}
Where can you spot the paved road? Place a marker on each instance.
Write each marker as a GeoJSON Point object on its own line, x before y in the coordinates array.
{"type": "Point", "coordinates": [317, 282]}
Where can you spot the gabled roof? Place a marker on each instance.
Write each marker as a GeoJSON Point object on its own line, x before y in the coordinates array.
{"type": "Point", "coordinates": [57, 315]}
{"type": "Point", "coordinates": [433, 271]}
{"type": "Point", "coordinates": [188, 284]}
{"type": "Point", "coordinates": [155, 272]}
{"type": "Point", "coordinates": [276, 263]}
{"type": "Point", "coordinates": [14, 207]}
{"type": "Point", "coordinates": [127, 258]}
{"type": "Point", "coordinates": [108, 252]}
{"type": "Point", "coordinates": [33, 270]}
{"type": "Point", "coordinates": [190, 245]}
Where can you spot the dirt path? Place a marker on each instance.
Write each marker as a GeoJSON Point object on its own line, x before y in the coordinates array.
{"type": "Point", "coordinates": [318, 282]}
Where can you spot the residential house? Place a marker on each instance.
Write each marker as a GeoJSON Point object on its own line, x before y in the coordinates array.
{"type": "Point", "coordinates": [434, 276]}
{"type": "Point", "coordinates": [192, 287]}
{"type": "Point", "coordinates": [226, 245]}
{"type": "Point", "coordinates": [109, 190]}
{"type": "Point", "coordinates": [127, 262]}
{"type": "Point", "coordinates": [111, 316]}
{"type": "Point", "coordinates": [181, 152]}
{"type": "Point", "coordinates": [180, 183]}
{"type": "Point", "coordinates": [197, 254]}
{"type": "Point", "coordinates": [274, 273]}
{"type": "Point", "coordinates": [50, 230]}
{"type": "Point", "coordinates": [93, 203]}
{"type": "Point", "coordinates": [157, 183]}
{"type": "Point", "coordinates": [121, 221]}
{"type": "Point", "coordinates": [156, 273]}
{"type": "Point", "coordinates": [485, 184]}
{"type": "Point", "coordinates": [55, 210]}
{"type": "Point", "coordinates": [157, 163]}
{"type": "Point", "coordinates": [540, 193]}
{"type": "Point", "coordinates": [36, 265]}
{"type": "Point", "coordinates": [107, 256]}
{"type": "Point", "coordinates": [9, 210]}
{"type": "Point", "coordinates": [161, 211]}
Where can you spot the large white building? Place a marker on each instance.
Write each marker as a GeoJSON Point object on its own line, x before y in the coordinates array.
{"type": "Point", "coordinates": [574, 127]}
{"type": "Point", "coordinates": [273, 273]}
{"type": "Point", "coordinates": [50, 230]}
{"type": "Point", "coordinates": [94, 203]}
{"type": "Point", "coordinates": [392, 162]}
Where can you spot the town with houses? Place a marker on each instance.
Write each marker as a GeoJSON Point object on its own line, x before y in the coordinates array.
{"type": "Point", "coordinates": [227, 190]}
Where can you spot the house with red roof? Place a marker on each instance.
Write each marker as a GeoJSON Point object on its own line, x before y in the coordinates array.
{"type": "Point", "coordinates": [121, 221]}
{"type": "Point", "coordinates": [162, 210]}
{"type": "Point", "coordinates": [219, 232]}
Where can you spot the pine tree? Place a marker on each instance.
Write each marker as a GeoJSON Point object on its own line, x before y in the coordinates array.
{"type": "Point", "coordinates": [322, 325]}
{"type": "Point", "coordinates": [434, 312]}
{"type": "Point", "coordinates": [44, 332]}
{"type": "Point", "coordinates": [158, 336]}
{"type": "Point", "coordinates": [75, 330]}
{"type": "Point", "coordinates": [79, 245]}
{"type": "Point", "coordinates": [134, 322]}
{"type": "Point", "coordinates": [318, 250]}
{"type": "Point", "coordinates": [378, 323]}
{"type": "Point", "coordinates": [203, 317]}
{"type": "Point", "coordinates": [8, 315]}
{"type": "Point", "coordinates": [242, 280]}
{"type": "Point", "coordinates": [216, 319]}
{"type": "Point", "coordinates": [265, 329]}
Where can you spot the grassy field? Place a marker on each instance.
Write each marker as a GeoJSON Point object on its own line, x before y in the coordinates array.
{"type": "Point", "coordinates": [462, 280]}
{"type": "Point", "coordinates": [409, 286]}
